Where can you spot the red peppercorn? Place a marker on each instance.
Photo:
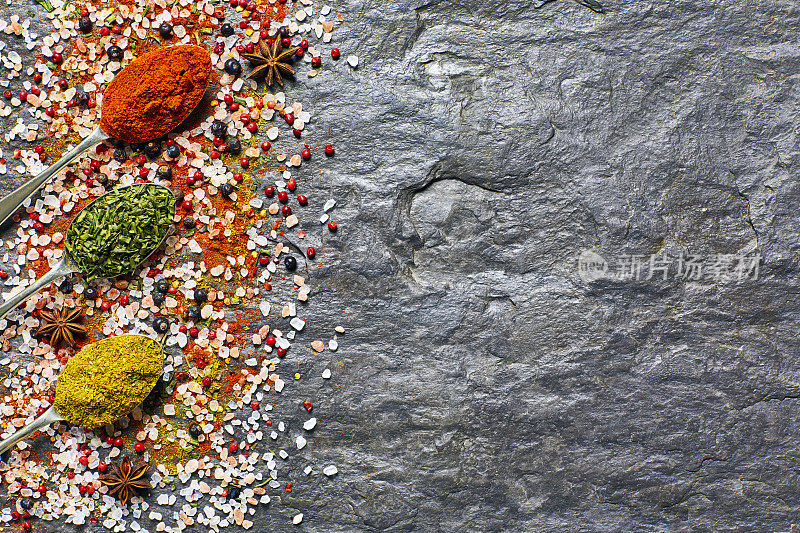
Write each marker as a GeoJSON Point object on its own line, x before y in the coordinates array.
{"type": "Point", "coordinates": [237, 176]}
{"type": "Point", "coordinates": [182, 376]}
{"type": "Point", "coordinates": [91, 102]}
{"type": "Point", "coordinates": [243, 24]}
{"type": "Point", "coordinates": [105, 306]}
{"type": "Point", "coordinates": [244, 162]}
{"type": "Point", "coordinates": [102, 466]}
{"type": "Point", "coordinates": [304, 44]}
{"type": "Point", "coordinates": [206, 381]}
{"type": "Point", "coordinates": [42, 489]}
{"type": "Point", "coordinates": [316, 61]}
{"type": "Point", "coordinates": [14, 515]}
{"type": "Point", "coordinates": [269, 191]}
{"type": "Point", "coordinates": [23, 94]}
{"type": "Point", "coordinates": [57, 57]}
{"type": "Point", "coordinates": [332, 225]}
{"type": "Point", "coordinates": [306, 154]}
{"type": "Point", "coordinates": [124, 300]}
{"type": "Point", "coordinates": [139, 447]}
{"type": "Point", "coordinates": [140, 159]}
{"type": "Point", "coordinates": [27, 526]}
{"type": "Point", "coordinates": [335, 53]}
{"type": "Point", "coordinates": [190, 154]}
{"type": "Point", "coordinates": [302, 200]}
{"type": "Point", "coordinates": [3, 274]}
{"type": "Point", "coordinates": [89, 489]}
{"type": "Point", "coordinates": [252, 127]}
{"type": "Point", "coordinates": [234, 107]}
{"type": "Point", "coordinates": [266, 145]}
{"type": "Point", "coordinates": [233, 447]}
{"type": "Point", "coordinates": [105, 31]}
{"type": "Point", "coordinates": [194, 332]}
{"type": "Point", "coordinates": [291, 184]}
{"type": "Point", "coordinates": [271, 341]}
{"type": "Point", "coordinates": [187, 205]}
{"type": "Point", "coordinates": [173, 290]}
{"type": "Point", "coordinates": [281, 351]}
{"type": "Point", "coordinates": [83, 460]}
{"type": "Point", "coordinates": [288, 487]}
{"type": "Point", "coordinates": [240, 48]}
{"type": "Point", "coordinates": [308, 405]}
{"type": "Point", "coordinates": [265, 24]}
{"type": "Point", "coordinates": [212, 335]}
{"type": "Point", "coordinates": [182, 328]}
{"type": "Point", "coordinates": [245, 118]}
{"type": "Point", "coordinates": [283, 197]}
{"type": "Point", "coordinates": [50, 112]}
{"type": "Point", "coordinates": [251, 213]}
{"type": "Point", "coordinates": [118, 442]}
{"type": "Point", "coordinates": [264, 35]}
{"type": "Point", "coordinates": [286, 210]}
{"type": "Point", "coordinates": [7, 94]}
{"type": "Point", "coordinates": [36, 91]}
{"type": "Point", "coordinates": [143, 172]}
{"type": "Point", "coordinates": [286, 42]}
{"type": "Point", "coordinates": [299, 52]}
{"type": "Point", "coordinates": [37, 77]}
{"type": "Point", "coordinates": [297, 133]}
{"type": "Point", "coordinates": [329, 150]}
{"type": "Point", "coordinates": [38, 226]}
{"type": "Point", "coordinates": [263, 260]}
{"type": "Point", "coordinates": [72, 102]}
{"type": "Point", "coordinates": [228, 98]}
{"type": "Point", "coordinates": [254, 405]}
{"type": "Point", "coordinates": [63, 84]}
{"type": "Point", "coordinates": [116, 29]}
{"type": "Point", "coordinates": [219, 48]}
{"type": "Point", "coordinates": [289, 118]}
{"type": "Point", "coordinates": [214, 154]}
{"type": "Point", "coordinates": [250, 47]}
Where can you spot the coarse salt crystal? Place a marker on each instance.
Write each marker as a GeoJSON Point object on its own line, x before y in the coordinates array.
{"type": "Point", "coordinates": [330, 470]}
{"type": "Point", "coordinates": [309, 424]}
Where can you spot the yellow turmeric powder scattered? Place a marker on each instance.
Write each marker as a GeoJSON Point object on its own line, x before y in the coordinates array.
{"type": "Point", "coordinates": [107, 379]}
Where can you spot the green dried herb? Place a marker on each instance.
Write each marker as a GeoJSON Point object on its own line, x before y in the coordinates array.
{"type": "Point", "coordinates": [119, 230]}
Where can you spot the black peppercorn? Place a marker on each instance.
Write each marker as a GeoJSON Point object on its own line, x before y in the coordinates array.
{"type": "Point", "coordinates": [162, 285]}
{"type": "Point", "coordinates": [233, 492]}
{"type": "Point", "coordinates": [284, 31]}
{"type": "Point", "coordinates": [193, 312]}
{"type": "Point", "coordinates": [195, 430]}
{"type": "Point", "coordinates": [234, 146]}
{"type": "Point", "coordinates": [85, 24]}
{"type": "Point", "coordinates": [189, 222]}
{"type": "Point", "coordinates": [81, 97]}
{"type": "Point", "coordinates": [290, 263]}
{"type": "Point", "coordinates": [165, 30]}
{"type": "Point", "coordinates": [161, 324]}
{"type": "Point", "coordinates": [226, 29]}
{"type": "Point", "coordinates": [226, 189]}
{"type": "Point", "coordinates": [66, 286]}
{"type": "Point", "coordinates": [158, 298]}
{"type": "Point", "coordinates": [152, 149]}
{"type": "Point", "coordinates": [120, 156]}
{"type": "Point", "coordinates": [90, 293]}
{"type": "Point", "coordinates": [233, 67]}
{"type": "Point", "coordinates": [200, 295]}
{"type": "Point", "coordinates": [164, 173]}
{"type": "Point", "coordinates": [218, 128]}
{"type": "Point", "coordinates": [137, 147]}
{"type": "Point", "coordinates": [178, 194]}
{"type": "Point", "coordinates": [173, 151]}
{"type": "Point", "coordinates": [114, 52]}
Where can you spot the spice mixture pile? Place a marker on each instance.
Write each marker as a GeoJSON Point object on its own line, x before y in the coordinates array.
{"type": "Point", "coordinates": [225, 295]}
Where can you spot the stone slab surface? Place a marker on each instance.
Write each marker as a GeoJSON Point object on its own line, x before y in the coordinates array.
{"type": "Point", "coordinates": [482, 384]}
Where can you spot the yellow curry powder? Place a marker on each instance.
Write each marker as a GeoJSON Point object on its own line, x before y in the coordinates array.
{"type": "Point", "coordinates": [107, 379]}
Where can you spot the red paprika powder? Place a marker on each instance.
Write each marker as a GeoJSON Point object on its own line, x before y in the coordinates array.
{"type": "Point", "coordinates": [155, 92]}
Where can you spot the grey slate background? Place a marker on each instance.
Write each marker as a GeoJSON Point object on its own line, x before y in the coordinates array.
{"type": "Point", "coordinates": [481, 384]}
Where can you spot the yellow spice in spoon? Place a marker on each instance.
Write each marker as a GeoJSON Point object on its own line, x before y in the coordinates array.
{"type": "Point", "coordinates": [107, 379]}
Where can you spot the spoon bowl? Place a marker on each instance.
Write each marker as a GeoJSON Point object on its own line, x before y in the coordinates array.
{"type": "Point", "coordinates": [52, 415]}
{"type": "Point", "coordinates": [67, 265]}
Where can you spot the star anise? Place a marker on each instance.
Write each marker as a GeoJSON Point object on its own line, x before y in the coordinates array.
{"type": "Point", "coordinates": [125, 479]}
{"type": "Point", "coordinates": [62, 325]}
{"type": "Point", "coordinates": [270, 61]}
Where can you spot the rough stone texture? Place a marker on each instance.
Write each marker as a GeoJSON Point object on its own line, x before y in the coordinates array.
{"type": "Point", "coordinates": [482, 385]}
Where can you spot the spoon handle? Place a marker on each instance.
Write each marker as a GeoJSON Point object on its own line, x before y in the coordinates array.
{"type": "Point", "coordinates": [10, 204]}
{"type": "Point", "coordinates": [47, 418]}
{"type": "Point", "coordinates": [61, 269]}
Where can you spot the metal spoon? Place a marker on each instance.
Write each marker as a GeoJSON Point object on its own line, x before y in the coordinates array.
{"type": "Point", "coordinates": [67, 266]}
{"type": "Point", "coordinates": [47, 418]}
{"type": "Point", "coordinates": [12, 202]}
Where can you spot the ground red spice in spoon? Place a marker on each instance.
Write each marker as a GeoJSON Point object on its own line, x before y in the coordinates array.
{"type": "Point", "coordinates": [154, 93]}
